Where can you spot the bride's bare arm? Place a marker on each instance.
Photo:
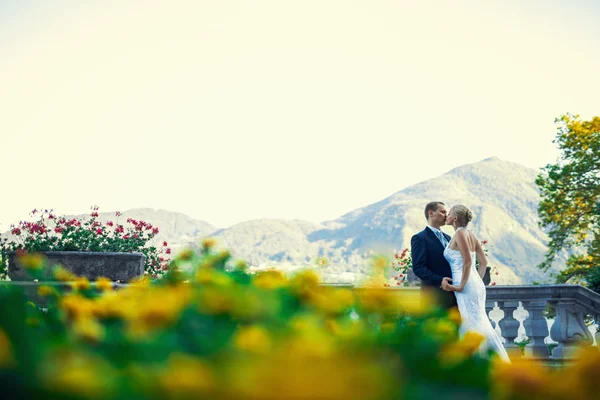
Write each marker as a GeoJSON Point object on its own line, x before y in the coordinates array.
{"type": "Point", "coordinates": [483, 262]}
{"type": "Point", "coordinates": [463, 247]}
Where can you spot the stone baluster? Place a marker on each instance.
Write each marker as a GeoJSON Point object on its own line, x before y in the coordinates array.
{"type": "Point", "coordinates": [489, 306]}
{"type": "Point", "coordinates": [536, 329]}
{"type": "Point", "coordinates": [569, 328]}
{"type": "Point", "coordinates": [597, 334]}
{"type": "Point", "coordinates": [510, 327]}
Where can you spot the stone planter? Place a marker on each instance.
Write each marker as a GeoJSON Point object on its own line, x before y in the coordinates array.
{"type": "Point", "coordinates": [92, 265]}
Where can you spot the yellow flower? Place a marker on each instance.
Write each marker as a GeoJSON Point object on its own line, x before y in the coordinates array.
{"type": "Point", "coordinates": [340, 377]}
{"type": "Point", "coordinates": [45, 290]}
{"type": "Point", "coordinates": [78, 374]}
{"type": "Point", "coordinates": [270, 279]}
{"type": "Point", "coordinates": [216, 300]}
{"type": "Point", "coordinates": [331, 301]}
{"type": "Point", "coordinates": [104, 284]}
{"type": "Point", "coordinates": [32, 261]}
{"type": "Point", "coordinates": [304, 282]}
{"type": "Point", "coordinates": [459, 351]}
{"type": "Point", "coordinates": [187, 377]}
{"type": "Point", "coordinates": [185, 254]}
{"type": "Point", "coordinates": [63, 275]}
{"type": "Point", "coordinates": [524, 380]}
{"type": "Point", "coordinates": [6, 351]}
{"type": "Point", "coordinates": [454, 315]}
{"type": "Point", "coordinates": [76, 306]}
{"type": "Point", "coordinates": [380, 263]}
{"type": "Point", "coordinates": [89, 329]}
{"type": "Point", "coordinates": [442, 330]}
{"type": "Point", "coordinates": [416, 303]}
{"type": "Point", "coordinates": [581, 379]}
{"type": "Point", "coordinates": [241, 265]}
{"type": "Point", "coordinates": [212, 276]}
{"type": "Point", "coordinates": [254, 339]}
{"type": "Point", "coordinates": [208, 243]}
{"type": "Point", "coordinates": [81, 284]}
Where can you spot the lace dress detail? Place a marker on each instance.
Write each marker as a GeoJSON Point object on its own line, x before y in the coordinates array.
{"type": "Point", "coordinates": [471, 304]}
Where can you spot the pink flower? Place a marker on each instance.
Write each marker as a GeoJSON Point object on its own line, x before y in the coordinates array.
{"type": "Point", "coordinates": [58, 229]}
{"type": "Point", "coordinates": [165, 244]}
{"type": "Point", "coordinates": [94, 214]}
{"type": "Point", "coordinates": [99, 231]}
{"type": "Point", "coordinates": [155, 231]}
{"type": "Point", "coordinates": [16, 231]}
{"type": "Point", "coordinates": [110, 223]}
{"type": "Point", "coordinates": [168, 251]}
{"type": "Point", "coordinates": [119, 229]}
{"type": "Point", "coordinates": [484, 242]}
{"type": "Point", "coordinates": [118, 214]}
{"type": "Point", "coordinates": [493, 283]}
{"type": "Point", "coordinates": [126, 237]}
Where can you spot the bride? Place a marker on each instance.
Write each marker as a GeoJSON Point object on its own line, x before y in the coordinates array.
{"type": "Point", "coordinates": [467, 282]}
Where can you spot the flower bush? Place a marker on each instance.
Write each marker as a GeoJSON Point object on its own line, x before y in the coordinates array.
{"type": "Point", "coordinates": [60, 233]}
{"type": "Point", "coordinates": [221, 333]}
{"type": "Point", "coordinates": [402, 264]}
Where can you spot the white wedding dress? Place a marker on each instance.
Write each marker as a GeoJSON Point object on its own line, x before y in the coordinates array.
{"type": "Point", "coordinates": [471, 304]}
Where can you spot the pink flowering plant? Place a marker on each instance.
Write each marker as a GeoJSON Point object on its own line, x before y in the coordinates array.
{"type": "Point", "coordinates": [402, 264]}
{"type": "Point", "coordinates": [60, 233]}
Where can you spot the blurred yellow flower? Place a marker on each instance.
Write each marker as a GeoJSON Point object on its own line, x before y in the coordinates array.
{"type": "Point", "coordinates": [63, 275]}
{"type": "Point", "coordinates": [6, 351]}
{"type": "Point", "coordinates": [458, 351]}
{"type": "Point", "coordinates": [185, 376]}
{"type": "Point", "coordinates": [89, 329]}
{"type": "Point", "coordinates": [81, 284]}
{"type": "Point", "coordinates": [454, 315]}
{"type": "Point", "coordinates": [331, 301]}
{"type": "Point", "coordinates": [254, 339]}
{"type": "Point", "coordinates": [211, 276]}
{"type": "Point", "coordinates": [45, 290]}
{"type": "Point", "coordinates": [78, 373]}
{"type": "Point", "coordinates": [215, 300]}
{"type": "Point", "coordinates": [270, 279]}
{"type": "Point", "coordinates": [523, 379]}
{"type": "Point", "coordinates": [442, 330]}
{"type": "Point", "coordinates": [32, 261]}
{"type": "Point", "coordinates": [208, 243]}
{"type": "Point", "coordinates": [104, 284]}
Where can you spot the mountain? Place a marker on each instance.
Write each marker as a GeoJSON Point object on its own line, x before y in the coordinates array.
{"type": "Point", "coordinates": [502, 195]}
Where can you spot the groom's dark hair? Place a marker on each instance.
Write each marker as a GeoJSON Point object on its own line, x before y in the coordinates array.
{"type": "Point", "coordinates": [432, 206]}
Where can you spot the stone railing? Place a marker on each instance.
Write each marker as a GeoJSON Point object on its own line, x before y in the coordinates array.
{"type": "Point", "coordinates": [572, 305]}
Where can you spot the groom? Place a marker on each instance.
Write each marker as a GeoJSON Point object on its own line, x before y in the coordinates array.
{"type": "Point", "coordinates": [428, 260]}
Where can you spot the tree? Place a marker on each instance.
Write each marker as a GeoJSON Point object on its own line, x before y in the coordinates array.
{"type": "Point", "coordinates": [570, 201]}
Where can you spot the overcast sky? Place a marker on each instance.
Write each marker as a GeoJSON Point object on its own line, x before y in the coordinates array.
{"type": "Point", "coordinates": [234, 110]}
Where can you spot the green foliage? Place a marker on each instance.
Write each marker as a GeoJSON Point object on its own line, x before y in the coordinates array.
{"type": "Point", "coordinates": [570, 201]}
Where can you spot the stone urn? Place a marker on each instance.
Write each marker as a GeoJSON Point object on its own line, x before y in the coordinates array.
{"type": "Point", "coordinates": [92, 265]}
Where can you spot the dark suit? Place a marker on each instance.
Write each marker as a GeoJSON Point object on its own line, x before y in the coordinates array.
{"type": "Point", "coordinates": [430, 265]}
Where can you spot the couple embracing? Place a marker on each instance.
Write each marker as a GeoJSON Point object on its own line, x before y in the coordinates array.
{"type": "Point", "coordinates": [446, 267]}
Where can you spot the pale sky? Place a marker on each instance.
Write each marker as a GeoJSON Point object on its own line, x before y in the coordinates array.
{"type": "Point", "coordinates": [234, 110]}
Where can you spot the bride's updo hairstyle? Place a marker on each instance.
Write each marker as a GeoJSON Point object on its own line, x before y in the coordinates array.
{"type": "Point", "coordinates": [463, 214]}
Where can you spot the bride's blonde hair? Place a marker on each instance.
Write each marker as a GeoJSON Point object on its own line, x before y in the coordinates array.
{"type": "Point", "coordinates": [463, 214]}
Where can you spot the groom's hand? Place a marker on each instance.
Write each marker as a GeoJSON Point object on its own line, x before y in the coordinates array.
{"type": "Point", "coordinates": [446, 284]}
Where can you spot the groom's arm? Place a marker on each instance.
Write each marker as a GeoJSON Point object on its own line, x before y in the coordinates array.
{"type": "Point", "coordinates": [419, 261]}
